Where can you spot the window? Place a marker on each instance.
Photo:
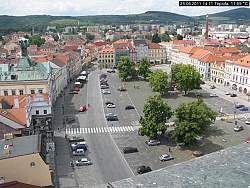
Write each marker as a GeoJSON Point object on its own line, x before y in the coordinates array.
{"type": "Point", "coordinates": [32, 164]}
{"type": "Point", "coordinates": [37, 112]}
{"type": "Point", "coordinates": [32, 91]}
{"type": "Point", "coordinates": [13, 92]}
{"type": "Point", "coordinates": [44, 111]}
{"type": "Point", "coordinates": [40, 91]}
{"type": "Point", "coordinates": [20, 92]}
{"type": "Point", "coordinates": [5, 93]}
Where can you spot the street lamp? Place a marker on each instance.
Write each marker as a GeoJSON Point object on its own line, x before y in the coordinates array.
{"type": "Point", "coordinates": [235, 103]}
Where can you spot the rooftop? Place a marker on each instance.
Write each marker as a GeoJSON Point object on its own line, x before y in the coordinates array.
{"type": "Point", "coordinates": [225, 168]}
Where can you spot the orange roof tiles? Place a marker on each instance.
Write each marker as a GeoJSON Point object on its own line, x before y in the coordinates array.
{"type": "Point", "coordinates": [245, 61]}
{"type": "Point", "coordinates": [154, 46]}
{"type": "Point", "coordinates": [199, 53]}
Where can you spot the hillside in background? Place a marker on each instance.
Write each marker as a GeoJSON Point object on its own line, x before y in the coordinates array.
{"type": "Point", "coordinates": [40, 22]}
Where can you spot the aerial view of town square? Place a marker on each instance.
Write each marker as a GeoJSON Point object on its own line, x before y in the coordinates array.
{"type": "Point", "coordinates": [124, 94]}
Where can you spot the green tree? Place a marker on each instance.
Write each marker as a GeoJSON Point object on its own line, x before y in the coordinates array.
{"type": "Point", "coordinates": [143, 68]}
{"type": "Point", "coordinates": [187, 77]}
{"type": "Point", "coordinates": [156, 112]}
{"type": "Point", "coordinates": [55, 37]}
{"type": "Point", "coordinates": [126, 68]}
{"type": "Point", "coordinates": [89, 36]}
{"type": "Point", "coordinates": [179, 37]}
{"type": "Point", "coordinates": [156, 38]}
{"type": "Point", "coordinates": [36, 39]}
{"type": "Point", "coordinates": [192, 120]}
{"type": "Point", "coordinates": [158, 81]}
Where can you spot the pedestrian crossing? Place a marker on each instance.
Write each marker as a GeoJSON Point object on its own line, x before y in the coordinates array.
{"type": "Point", "coordinates": [245, 115]}
{"type": "Point", "coordinates": [89, 130]}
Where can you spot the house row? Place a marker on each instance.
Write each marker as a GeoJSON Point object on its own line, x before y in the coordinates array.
{"type": "Point", "coordinates": [222, 65]}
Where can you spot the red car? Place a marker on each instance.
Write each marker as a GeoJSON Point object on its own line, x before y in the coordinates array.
{"type": "Point", "coordinates": [122, 89]}
{"type": "Point", "coordinates": [248, 140]}
{"type": "Point", "coordinates": [82, 108]}
{"type": "Point", "coordinates": [76, 89]}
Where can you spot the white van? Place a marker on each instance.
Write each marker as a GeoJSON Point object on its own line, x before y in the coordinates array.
{"type": "Point", "coordinates": [78, 152]}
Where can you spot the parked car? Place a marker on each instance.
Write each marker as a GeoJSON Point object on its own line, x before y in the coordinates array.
{"type": "Point", "coordinates": [109, 102]}
{"type": "Point", "coordinates": [76, 139]}
{"type": "Point", "coordinates": [111, 71]}
{"type": "Point", "coordinates": [243, 108]}
{"type": "Point", "coordinates": [77, 143]}
{"type": "Point", "coordinates": [166, 157]}
{"type": "Point", "coordinates": [105, 91]}
{"type": "Point", "coordinates": [111, 114]}
{"type": "Point", "coordinates": [248, 140]}
{"type": "Point", "coordinates": [239, 106]}
{"type": "Point", "coordinates": [143, 169]}
{"type": "Point", "coordinates": [129, 149]}
{"type": "Point", "coordinates": [213, 95]}
{"type": "Point", "coordinates": [112, 118]}
{"type": "Point", "coordinates": [79, 152]}
{"type": "Point", "coordinates": [122, 89]}
{"type": "Point", "coordinates": [247, 122]}
{"type": "Point", "coordinates": [83, 161]}
{"type": "Point", "coordinates": [128, 107]}
{"type": "Point", "coordinates": [82, 108]}
{"type": "Point", "coordinates": [212, 87]}
{"type": "Point", "coordinates": [104, 83]}
{"type": "Point", "coordinates": [111, 106]}
{"type": "Point", "coordinates": [238, 128]}
{"type": "Point", "coordinates": [103, 76]}
{"type": "Point", "coordinates": [104, 86]}
{"type": "Point", "coordinates": [233, 95]}
{"type": "Point", "coordinates": [153, 142]}
{"type": "Point", "coordinates": [74, 92]}
{"type": "Point", "coordinates": [227, 93]}
{"type": "Point", "coordinates": [76, 89]}
{"type": "Point", "coordinates": [79, 146]}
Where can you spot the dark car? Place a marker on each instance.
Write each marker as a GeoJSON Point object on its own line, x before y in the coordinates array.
{"type": "Point", "coordinates": [79, 146]}
{"type": "Point", "coordinates": [129, 149]}
{"type": "Point", "coordinates": [239, 106]}
{"type": "Point", "coordinates": [143, 169]}
{"type": "Point", "coordinates": [108, 102]}
{"type": "Point", "coordinates": [111, 71]}
{"type": "Point", "coordinates": [76, 139]}
{"type": "Point", "coordinates": [233, 95]}
{"type": "Point", "coordinates": [212, 87]}
{"type": "Point", "coordinates": [112, 118]}
{"type": "Point", "coordinates": [129, 107]}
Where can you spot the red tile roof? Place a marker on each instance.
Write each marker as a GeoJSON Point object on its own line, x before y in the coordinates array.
{"type": "Point", "coordinates": [245, 61]}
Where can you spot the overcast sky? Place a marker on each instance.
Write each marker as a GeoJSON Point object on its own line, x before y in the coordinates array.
{"type": "Point", "coordinates": [101, 7]}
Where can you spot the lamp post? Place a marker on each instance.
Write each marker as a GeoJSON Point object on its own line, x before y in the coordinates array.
{"type": "Point", "coordinates": [235, 103]}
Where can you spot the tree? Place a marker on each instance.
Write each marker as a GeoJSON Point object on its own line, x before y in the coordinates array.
{"type": "Point", "coordinates": [143, 68]}
{"type": "Point", "coordinates": [156, 112]}
{"type": "Point", "coordinates": [36, 39]}
{"type": "Point", "coordinates": [179, 37]}
{"type": "Point", "coordinates": [187, 77]}
{"type": "Point", "coordinates": [192, 120]}
{"type": "Point", "coordinates": [126, 68]}
{"type": "Point", "coordinates": [55, 37]}
{"type": "Point", "coordinates": [158, 81]}
{"type": "Point", "coordinates": [89, 36]}
{"type": "Point", "coordinates": [156, 38]}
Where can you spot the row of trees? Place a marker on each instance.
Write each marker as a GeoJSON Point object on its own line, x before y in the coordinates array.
{"type": "Point", "coordinates": [187, 77]}
{"type": "Point", "coordinates": [193, 118]}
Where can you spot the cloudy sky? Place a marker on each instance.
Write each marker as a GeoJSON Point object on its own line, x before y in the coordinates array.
{"type": "Point", "coordinates": [101, 7]}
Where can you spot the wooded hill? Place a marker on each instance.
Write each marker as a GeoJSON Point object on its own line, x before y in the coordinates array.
{"type": "Point", "coordinates": [40, 22]}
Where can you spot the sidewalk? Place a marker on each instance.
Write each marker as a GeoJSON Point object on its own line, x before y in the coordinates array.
{"type": "Point", "coordinates": [220, 90]}
{"type": "Point", "coordinates": [64, 173]}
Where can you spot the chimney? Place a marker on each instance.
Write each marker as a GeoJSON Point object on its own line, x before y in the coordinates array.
{"type": "Point", "coordinates": [206, 33]}
{"type": "Point", "coordinates": [16, 102]}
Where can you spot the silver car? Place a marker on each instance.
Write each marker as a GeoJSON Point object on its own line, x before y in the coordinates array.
{"type": "Point", "coordinates": [166, 157]}
{"type": "Point", "coordinates": [153, 142]}
{"type": "Point", "coordinates": [83, 161]}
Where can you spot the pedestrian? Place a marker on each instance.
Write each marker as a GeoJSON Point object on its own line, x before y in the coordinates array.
{"type": "Point", "coordinates": [169, 149]}
{"type": "Point", "coordinates": [88, 105]}
{"type": "Point", "coordinates": [224, 140]}
{"type": "Point", "coordinates": [137, 87]}
{"type": "Point", "coordinates": [134, 86]}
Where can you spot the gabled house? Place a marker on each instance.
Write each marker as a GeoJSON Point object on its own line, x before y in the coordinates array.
{"type": "Point", "coordinates": [141, 48]}
{"type": "Point", "coordinates": [156, 54]}
{"type": "Point", "coordinates": [106, 57]}
{"type": "Point", "coordinates": [121, 49]}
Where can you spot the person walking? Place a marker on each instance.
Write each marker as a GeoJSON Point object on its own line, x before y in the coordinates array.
{"type": "Point", "coordinates": [169, 149]}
